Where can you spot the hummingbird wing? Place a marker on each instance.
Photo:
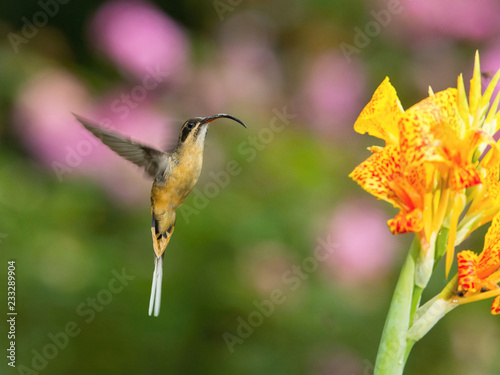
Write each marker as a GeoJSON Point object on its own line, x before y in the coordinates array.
{"type": "Point", "coordinates": [144, 156]}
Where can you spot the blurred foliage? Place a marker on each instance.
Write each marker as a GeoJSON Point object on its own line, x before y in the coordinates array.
{"type": "Point", "coordinates": [67, 237]}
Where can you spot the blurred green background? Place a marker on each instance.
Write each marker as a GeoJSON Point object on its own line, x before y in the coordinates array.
{"type": "Point", "coordinates": [243, 292]}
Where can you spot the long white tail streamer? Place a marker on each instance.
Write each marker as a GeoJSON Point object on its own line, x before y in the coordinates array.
{"type": "Point", "coordinates": [155, 299]}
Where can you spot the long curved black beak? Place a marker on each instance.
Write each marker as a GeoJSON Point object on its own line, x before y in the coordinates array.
{"type": "Point", "coordinates": [208, 119]}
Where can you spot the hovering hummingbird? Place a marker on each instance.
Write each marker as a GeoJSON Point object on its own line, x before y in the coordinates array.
{"type": "Point", "coordinates": [175, 174]}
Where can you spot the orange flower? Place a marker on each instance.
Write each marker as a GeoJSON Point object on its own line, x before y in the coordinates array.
{"type": "Point", "coordinates": [479, 275]}
{"type": "Point", "coordinates": [435, 163]}
{"type": "Point", "coordinates": [424, 150]}
{"type": "Point", "coordinates": [431, 157]}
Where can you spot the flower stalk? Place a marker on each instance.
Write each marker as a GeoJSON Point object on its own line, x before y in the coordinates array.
{"type": "Point", "coordinates": [392, 352]}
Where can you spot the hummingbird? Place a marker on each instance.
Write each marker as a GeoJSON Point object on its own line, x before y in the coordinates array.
{"type": "Point", "coordinates": [174, 176]}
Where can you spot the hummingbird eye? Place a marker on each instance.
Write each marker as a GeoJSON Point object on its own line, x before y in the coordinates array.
{"type": "Point", "coordinates": [187, 129]}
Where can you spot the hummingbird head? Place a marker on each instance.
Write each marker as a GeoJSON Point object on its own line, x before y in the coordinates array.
{"type": "Point", "coordinates": [195, 129]}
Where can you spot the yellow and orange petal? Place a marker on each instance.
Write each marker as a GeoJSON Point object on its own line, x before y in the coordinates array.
{"type": "Point", "coordinates": [463, 175]}
{"type": "Point", "coordinates": [467, 273]}
{"type": "Point", "coordinates": [380, 116]}
{"type": "Point", "coordinates": [432, 131]}
{"type": "Point", "coordinates": [376, 173]}
{"type": "Point", "coordinates": [478, 275]}
{"type": "Point", "coordinates": [459, 153]}
{"type": "Point", "coordinates": [426, 126]}
{"type": "Point", "coordinates": [479, 112]}
{"type": "Point", "coordinates": [382, 176]}
{"type": "Point", "coordinates": [406, 222]}
{"type": "Point", "coordinates": [489, 259]}
{"type": "Point", "coordinates": [492, 183]}
{"type": "Point", "coordinates": [495, 306]}
{"type": "Point", "coordinates": [486, 198]}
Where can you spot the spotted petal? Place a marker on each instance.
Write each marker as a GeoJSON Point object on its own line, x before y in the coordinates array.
{"type": "Point", "coordinates": [426, 126]}
{"type": "Point", "coordinates": [478, 275]}
{"type": "Point", "coordinates": [376, 173]}
{"type": "Point", "coordinates": [406, 222]}
{"type": "Point", "coordinates": [381, 115]}
{"type": "Point", "coordinates": [489, 260]}
{"type": "Point", "coordinates": [382, 176]}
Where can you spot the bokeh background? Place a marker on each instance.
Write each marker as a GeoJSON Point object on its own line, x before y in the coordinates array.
{"type": "Point", "coordinates": [73, 214]}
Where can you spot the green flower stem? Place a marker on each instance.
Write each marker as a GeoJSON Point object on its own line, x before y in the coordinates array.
{"type": "Point", "coordinates": [415, 301]}
{"type": "Point", "coordinates": [432, 312]}
{"type": "Point", "coordinates": [409, 347]}
{"type": "Point", "coordinates": [395, 344]}
{"type": "Point", "coordinates": [441, 243]}
{"type": "Point", "coordinates": [392, 352]}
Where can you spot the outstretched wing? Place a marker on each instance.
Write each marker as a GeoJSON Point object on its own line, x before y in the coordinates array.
{"type": "Point", "coordinates": [152, 160]}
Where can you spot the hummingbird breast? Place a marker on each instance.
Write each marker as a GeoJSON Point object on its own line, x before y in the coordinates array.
{"type": "Point", "coordinates": [171, 189]}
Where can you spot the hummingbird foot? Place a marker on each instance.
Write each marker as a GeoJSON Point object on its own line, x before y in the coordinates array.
{"type": "Point", "coordinates": [161, 240]}
{"type": "Point", "coordinates": [156, 246]}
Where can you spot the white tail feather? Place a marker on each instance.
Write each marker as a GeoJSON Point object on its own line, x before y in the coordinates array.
{"type": "Point", "coordinates": [155, 299]}
{"type": "Point", "coordinates": [153, 289]}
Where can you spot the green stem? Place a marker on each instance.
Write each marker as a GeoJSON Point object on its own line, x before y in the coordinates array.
{"type": "Point", "coordinates": [409, 346]}
{"type": "Point", "coordinates": [415, 301]}
{"type": "Point", "coordinates": [392, 352]}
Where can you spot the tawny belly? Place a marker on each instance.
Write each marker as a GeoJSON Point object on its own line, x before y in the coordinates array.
{"type": "Point", "coordinates": [167, 197]}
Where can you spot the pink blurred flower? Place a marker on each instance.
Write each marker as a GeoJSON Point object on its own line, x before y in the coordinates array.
{"type": "Point", "coordinates": [265, 265]}
{"type": "Point", "coordinates": [46, 126]}
{"type": "Point", "coordinates": [490, 59]}
{"type": "Point", "coordinates": [251, 74]}
{"type": "Point", "coordinates": [332, 94]}
{"type": "Point", "coordinates": [461, 19]}
{"type": "Point", "coordinates": [490, 63]}
{"type": "Point", "coordinates": [138, 36]}
{"type": "Point", "coordinates": [445, 61]}
{"type": "Point", "coordinates": [365, 248]}
{"type": "Point", "coordinates": [245, 73]}
{"type": "Point", "coordinates": [42, 113]}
